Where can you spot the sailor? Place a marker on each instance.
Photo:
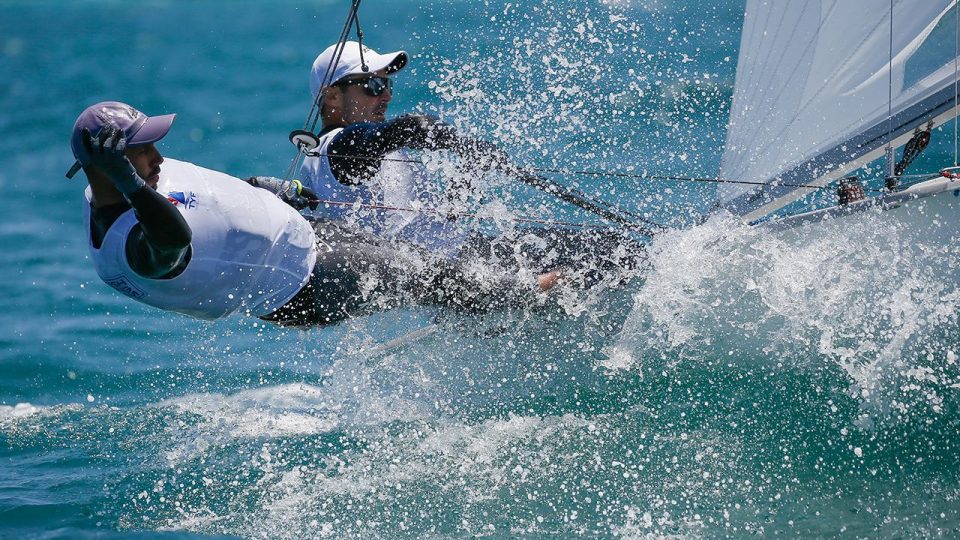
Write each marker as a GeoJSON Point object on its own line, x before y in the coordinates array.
{"type": "Point", "coordinates": [363, 158]}
{"type": "Point", "coordinates": [199, 242]}
{"type": "Point", "coordinates": [364, 174]}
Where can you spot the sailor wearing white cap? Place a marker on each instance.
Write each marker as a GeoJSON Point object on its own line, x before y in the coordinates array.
{"type": "Point", "coordinates": [362, 157]}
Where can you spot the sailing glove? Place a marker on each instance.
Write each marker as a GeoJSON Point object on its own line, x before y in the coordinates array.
{"type": "Point", "coordinates": [431, 132]}
{"type": "Point", "coordinates": [292, 192]}
{"type": "Point", "coordinates": [107, 151]}
{"type": "Point", "coordinates": [486, 156]}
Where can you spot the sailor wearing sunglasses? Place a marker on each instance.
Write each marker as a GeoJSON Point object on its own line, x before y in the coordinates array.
{"type": "Point", "coordinates": [362, 157]}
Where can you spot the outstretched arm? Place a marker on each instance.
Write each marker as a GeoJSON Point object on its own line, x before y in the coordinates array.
{"type": "Point", "coordinates": [159, 244]}
{"type": "Point", "coordinates": [355, 152]}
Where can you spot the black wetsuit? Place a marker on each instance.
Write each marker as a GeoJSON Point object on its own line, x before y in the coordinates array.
{"type": "Point", "coordinates": [355, 153]}
{"type": "Point", "coordinates": [357, 272]}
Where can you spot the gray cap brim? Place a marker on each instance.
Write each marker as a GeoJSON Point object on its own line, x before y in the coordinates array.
{"type": "Point", "coordinates": [152, 130]}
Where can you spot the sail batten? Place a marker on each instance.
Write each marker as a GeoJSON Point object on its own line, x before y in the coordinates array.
{"type": "Point", "coordinates": [812, 91]}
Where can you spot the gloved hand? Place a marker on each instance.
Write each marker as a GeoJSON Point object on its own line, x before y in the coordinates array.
{"type": "Point", "coordinates": [292, 192]}
{"type": "Point", "coordinates": [107, 151]}
{"type": "Point", "coordinates": [486, 156]}
{"type": "Point", "coordinates": [481, 148]}
{"type": "Point", "coordinates": [435, 133]}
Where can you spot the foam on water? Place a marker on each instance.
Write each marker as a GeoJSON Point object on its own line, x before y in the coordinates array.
{"type": "Point", "coordinates": [499, 477]}
{"type": "Point", "coordinates": [874, 296]}
{"type": "Point", "coordinates": [19, 410]}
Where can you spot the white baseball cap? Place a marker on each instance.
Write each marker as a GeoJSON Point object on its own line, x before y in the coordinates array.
{"type": "Point", "coordinates": [350, 64]}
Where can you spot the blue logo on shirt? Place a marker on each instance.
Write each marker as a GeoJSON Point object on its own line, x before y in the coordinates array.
{"type": "Point", "coordinates": [188, 200]}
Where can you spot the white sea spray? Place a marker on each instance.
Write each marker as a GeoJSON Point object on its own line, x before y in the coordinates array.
{"type": "Point", "coordinates": [870, 297]}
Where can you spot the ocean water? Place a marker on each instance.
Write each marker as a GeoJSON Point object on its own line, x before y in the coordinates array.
{"type": "Point", "coordinates": [745, 384]}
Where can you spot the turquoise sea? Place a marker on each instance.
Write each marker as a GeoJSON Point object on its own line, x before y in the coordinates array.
{"type": "Point", "coordinates": [745, 385]}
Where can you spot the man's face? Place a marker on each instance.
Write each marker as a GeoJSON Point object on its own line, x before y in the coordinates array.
{"type": "Point", "coordinates": [146, 159]}
{"type": "Point", "coordinates": [355, 104]}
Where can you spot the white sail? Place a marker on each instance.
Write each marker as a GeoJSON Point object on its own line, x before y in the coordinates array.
{"type": "Point", "coordinates": [812, 98]}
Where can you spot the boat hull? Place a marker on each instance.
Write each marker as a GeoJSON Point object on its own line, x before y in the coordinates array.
{"type": "Point", "coordinates": [930, 210]}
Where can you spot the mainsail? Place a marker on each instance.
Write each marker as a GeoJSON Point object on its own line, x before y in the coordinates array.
{"type": "Point", "coordinates": [817, 95]}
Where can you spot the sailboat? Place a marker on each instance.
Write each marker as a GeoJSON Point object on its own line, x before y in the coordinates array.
{"type": "Point", "coordinates": [825, 87]}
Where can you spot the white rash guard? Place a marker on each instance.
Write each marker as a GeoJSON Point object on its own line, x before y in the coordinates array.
{"type": "Point", "coordinates": [250, 251]}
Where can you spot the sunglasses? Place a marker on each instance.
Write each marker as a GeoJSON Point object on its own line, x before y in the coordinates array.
{"type": "Point", "coordinates": [373, 86]}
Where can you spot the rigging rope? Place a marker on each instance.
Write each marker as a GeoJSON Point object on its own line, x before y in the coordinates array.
{"type": "Point", "coordinates": [915, 146]}
{"type": "Point", "coordinates": [612, 174]}
{"type": "Point", "coordinates": [316, 108]}
{"type": "Point", "coordinates": [352, 18]}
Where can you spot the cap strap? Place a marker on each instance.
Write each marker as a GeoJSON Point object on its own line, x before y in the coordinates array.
{"type": "Point", "coordinates": [74, 169]}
